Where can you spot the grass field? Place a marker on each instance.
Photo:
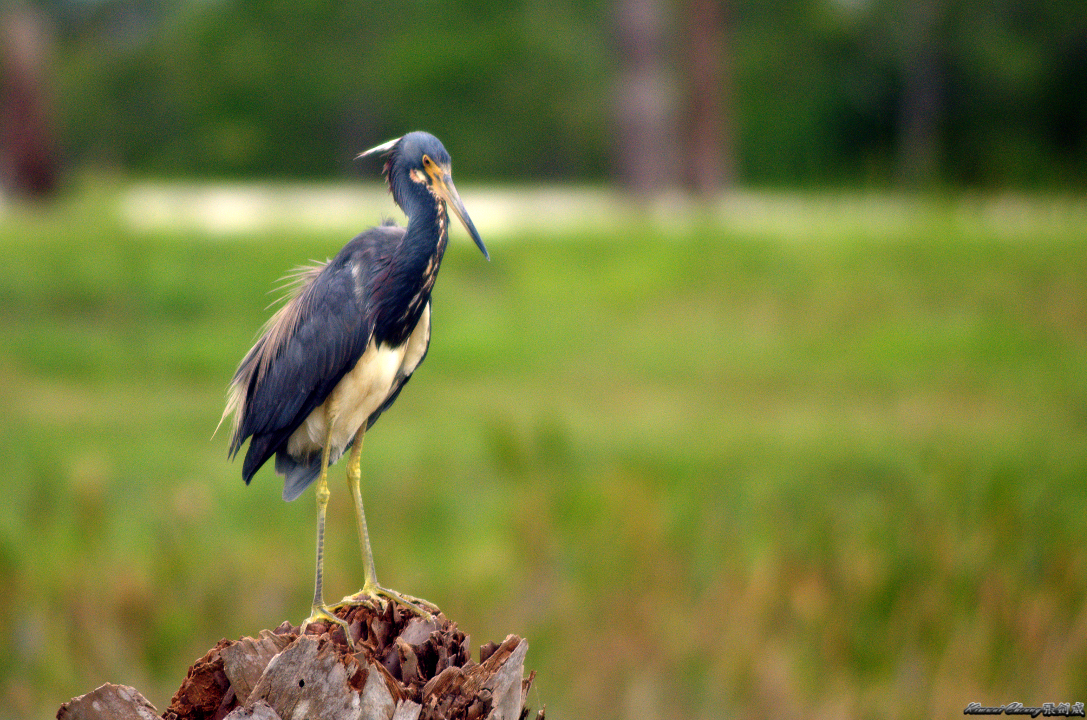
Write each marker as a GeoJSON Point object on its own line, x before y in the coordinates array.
{"type": "Point", "coordinates": [804, 457]}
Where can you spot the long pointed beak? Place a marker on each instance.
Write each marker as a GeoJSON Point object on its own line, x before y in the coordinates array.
{"type": "Point", "coordinates": [449, 193]}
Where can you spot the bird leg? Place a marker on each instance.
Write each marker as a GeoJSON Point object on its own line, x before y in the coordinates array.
{"type": "Point", "coordinates": [370, 586]}
{"type": "Point", "coordinates": [354, 481]}
{"type": "Point", "coordinates": [319, 611]}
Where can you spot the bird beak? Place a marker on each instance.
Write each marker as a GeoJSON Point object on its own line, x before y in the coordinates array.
{"type": "Point", "coordinates": [448, 191]}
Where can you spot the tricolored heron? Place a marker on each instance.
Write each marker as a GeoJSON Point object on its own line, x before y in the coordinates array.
{"type": "Point", "coordinates": [340, 350]}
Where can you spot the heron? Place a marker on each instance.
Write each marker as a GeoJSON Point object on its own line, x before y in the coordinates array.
{"type": "Point", "coordinates": [337, 354]}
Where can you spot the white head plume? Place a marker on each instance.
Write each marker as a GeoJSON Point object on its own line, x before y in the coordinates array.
{"type": "Point", "coordinates": [383, 147]}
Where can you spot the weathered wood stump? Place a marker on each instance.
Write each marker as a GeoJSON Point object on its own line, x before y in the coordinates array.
{"type": "Point", "coordinates": [404, 668]}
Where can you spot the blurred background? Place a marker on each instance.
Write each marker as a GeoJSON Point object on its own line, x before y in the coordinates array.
{"type": "Point", "coordinates": [771, 403]}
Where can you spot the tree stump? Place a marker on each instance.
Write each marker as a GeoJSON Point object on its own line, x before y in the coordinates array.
{"type": "Point", "coordinates": [404, 667]}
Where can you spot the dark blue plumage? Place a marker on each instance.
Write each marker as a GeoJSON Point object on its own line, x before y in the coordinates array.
{"type": "Point", "coordinates": [338, 353]}
{"type": "Point", "coordinates": [370, 297]}
{"type": "Point", "coordinates": [327, 342]}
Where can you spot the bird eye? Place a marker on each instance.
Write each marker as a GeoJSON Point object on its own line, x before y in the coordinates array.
{"type": "Point", "coordinates": [427, 162]}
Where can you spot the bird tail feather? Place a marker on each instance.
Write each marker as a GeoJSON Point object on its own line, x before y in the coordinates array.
{"type": "Point", "coordinates": [298, 473]}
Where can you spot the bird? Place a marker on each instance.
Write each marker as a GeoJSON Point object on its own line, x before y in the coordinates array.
{"type": "Point", "coordinates": [337, 354]}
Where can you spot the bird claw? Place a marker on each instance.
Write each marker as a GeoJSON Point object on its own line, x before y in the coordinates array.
{"type": "Point", "coordinates": [326, 614]}
{"type": "Point", "coordinates": [371, 597]}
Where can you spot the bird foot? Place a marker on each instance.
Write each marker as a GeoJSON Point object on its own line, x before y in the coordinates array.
{"type": "Point", "coordinates": [371, 595]}
{"type": "Point", "coordinates": [326, 614]}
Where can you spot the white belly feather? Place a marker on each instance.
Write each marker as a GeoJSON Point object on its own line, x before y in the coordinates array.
{"type": "Point", "coordinates": [361, 391]}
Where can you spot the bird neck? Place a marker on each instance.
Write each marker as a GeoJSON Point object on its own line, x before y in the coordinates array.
{"type": "Point", "coordinates": [426, 236]}
{"type": "Point", "coordinates": [412, 272]}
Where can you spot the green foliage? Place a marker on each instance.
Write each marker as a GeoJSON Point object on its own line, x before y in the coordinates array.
{"type": "Point", "coordinates": [298, 88]}
{"type": "Point", "coordinates": [825, 455]}
{"type": "Point", "coordinates": [820, 90]}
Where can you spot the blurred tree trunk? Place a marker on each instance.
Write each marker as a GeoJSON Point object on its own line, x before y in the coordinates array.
{"type": "Point", "coordinates": [710, 159]}
{"type": "Point", "coordinates": [28, 158]}
{"type": "Point", "coordinates": [921, 108]}
{"type": "Point", "coordinates": [645, 141]}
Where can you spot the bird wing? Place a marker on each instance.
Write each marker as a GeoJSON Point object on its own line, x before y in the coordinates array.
{"type": "Point", "coordinates": [297, 472]}
{"type": "Point", "coordinates": [305, 350]}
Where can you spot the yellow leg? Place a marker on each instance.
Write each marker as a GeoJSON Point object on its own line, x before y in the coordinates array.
{"type": "Point", "coordinates": [370, 586]}
{"type": "Point", "coordinates": [354, 481]}
{"type": "Point", "coordinates": [319, 611]}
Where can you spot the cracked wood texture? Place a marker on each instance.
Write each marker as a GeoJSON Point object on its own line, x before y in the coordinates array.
{"type": "Point", "coordinates": [404, 667]}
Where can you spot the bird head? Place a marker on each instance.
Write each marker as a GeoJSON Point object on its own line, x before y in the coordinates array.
{"type": "Point", "coordinates": [419, 159]}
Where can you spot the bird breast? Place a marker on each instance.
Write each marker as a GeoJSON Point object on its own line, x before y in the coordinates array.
{"type": "Point", "coordinates": [365, 388]}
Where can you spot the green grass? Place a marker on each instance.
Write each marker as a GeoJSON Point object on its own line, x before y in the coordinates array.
{"type": "Point", "coordinates": [749, 467]}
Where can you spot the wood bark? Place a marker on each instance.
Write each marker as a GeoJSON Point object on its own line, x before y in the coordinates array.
{"type": "Point", "coordinates": [920, 112]}
{"type": "Point", "coordinates": [108, 702]}
{"type": "Point", "coordinates": [402, 667]}
{"type": "Point", "coordinates": [709, 152]}
{"type": "Point", "coordinates": [28, 152]}
{"type": "Point", "coordinates": [646, 141]}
